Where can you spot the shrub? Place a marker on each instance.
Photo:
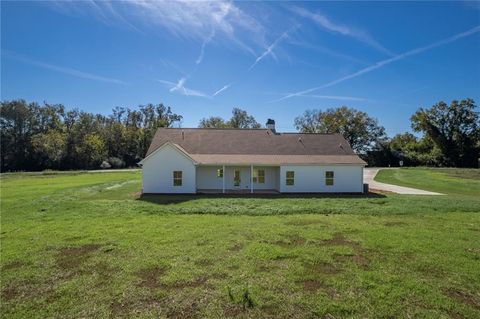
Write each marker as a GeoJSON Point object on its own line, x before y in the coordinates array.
{"type": "Point", "coordinates": [105, 165]}
{"type": "Point", "coordinates": [116, 162]}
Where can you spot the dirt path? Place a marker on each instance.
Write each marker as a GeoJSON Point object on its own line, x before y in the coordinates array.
{"type": "Point", "coordinates": [369, 175]}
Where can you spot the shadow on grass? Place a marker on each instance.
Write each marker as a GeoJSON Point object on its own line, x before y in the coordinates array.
{"type": "Point", "coordinates": [165, 199]}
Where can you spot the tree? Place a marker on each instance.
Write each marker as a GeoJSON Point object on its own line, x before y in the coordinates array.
{"type": "Point", "coordinates": [91, 151]}
{"type": "Point", "coordinates": [50, 148]}
{"type": "Point", "coordinates": [213, 122]}
{"type": "Point", "coordinates": [16, 126]}
{"type": "Point", "coordinates": [454, 129]}
{"type": "Point", "coordinates": [239, 119]}
{"type": "Point", "coordinates": [359, 129]}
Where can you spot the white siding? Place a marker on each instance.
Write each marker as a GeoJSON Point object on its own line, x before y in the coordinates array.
{"type": "Point", "coordinates": [157, 172]}
{"type": "Point", "coordinates": [207, 177]}
{"type": "Point", "coordinates": [311, 179]}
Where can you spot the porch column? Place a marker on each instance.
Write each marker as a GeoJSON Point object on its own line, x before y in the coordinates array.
{"type": "Point", "coordinates": [223, 179]}
{"type": "Point", "coordinates": [251, 178]}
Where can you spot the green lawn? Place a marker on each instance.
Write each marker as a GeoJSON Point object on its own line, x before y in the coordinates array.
{"type": "Point", "coordinates": [87, 245]}
{"type": "Point", "coordinates": [444, 180]}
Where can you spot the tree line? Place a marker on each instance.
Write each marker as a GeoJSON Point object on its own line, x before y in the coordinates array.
{"type": "Point", "coordinates": [37, 137]}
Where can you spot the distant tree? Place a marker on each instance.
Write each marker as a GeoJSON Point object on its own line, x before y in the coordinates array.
{"type": "Point", "coordinates": [213, 122]}
{"type": "Point", "coordinates": [16, 123]}
{"type": "Point", "coordinates": [91, 151]}
{"type": "Point", "coordinates": [359, 129]}
{"type": "Point", "coordinates": [454, 129]}
{"type": "Point", "coordinates": [415, 151]}
{"type": "Point", "coordinates": [239, 119]}
{"type": "Point", "coordinates": [50, 148]}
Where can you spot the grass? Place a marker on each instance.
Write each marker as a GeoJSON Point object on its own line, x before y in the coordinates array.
{"type": "Point", "coordinates": [452, 181]}
{"type": "Point", "coordinates": [87, 245]}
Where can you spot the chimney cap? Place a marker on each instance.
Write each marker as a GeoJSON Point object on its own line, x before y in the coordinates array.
{"type": "Point", "coordinates": [270, 121]}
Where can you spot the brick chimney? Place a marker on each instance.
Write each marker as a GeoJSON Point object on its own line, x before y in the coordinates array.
{"type": "Point", "coordinates": [271, 125]}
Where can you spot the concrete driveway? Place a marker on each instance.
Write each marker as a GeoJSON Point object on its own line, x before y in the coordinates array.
{"type": "Point", "coordinates": [369, 175]}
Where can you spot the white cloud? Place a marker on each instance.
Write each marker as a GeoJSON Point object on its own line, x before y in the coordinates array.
{"type": "Point", "coordinates": [62, 69]}
{"type": "Point", "coordinates": [185, 19]}
{"type": "Point", "coordinates": [355, 33]}
{"type": "Point", "coordinates": [385, 62]}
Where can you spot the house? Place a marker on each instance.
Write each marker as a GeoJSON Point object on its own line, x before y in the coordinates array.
{"type": "Point", "coordinates": [198, 160]}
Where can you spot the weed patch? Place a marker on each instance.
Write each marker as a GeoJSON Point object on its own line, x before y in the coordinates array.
{"type": "Point", "coordinates": [292, 241]}
{"type": "Point", "coordinates": [14, 265]}
{"type": "Point", "coordinates": [150, 276]}
{"type": "Point", "coordinates": [199, 282]}
{"type": "Point", "coordinates": [323, 267]}
{"type": "Point", "coordinates": [204, 262]}
{"type": "Point", "coordinates": [72, 257]}
{"type": "Point", "coordinates": [463, 297]}
{"type": "Point", "coordinates": [394, 224]}
{"type": "Point", "coordinates": [236, 248]}
{"type": "Point", "coordinates": [302, 222]}
{"type": "Point", "coordinates": [314, 285]}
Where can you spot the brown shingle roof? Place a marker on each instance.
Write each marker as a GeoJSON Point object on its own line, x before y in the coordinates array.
{"type": "Point", "coordinates": [262, 146]}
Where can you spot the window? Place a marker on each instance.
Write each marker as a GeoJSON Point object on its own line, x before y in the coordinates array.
{"type": "Point", "coordinates": [259, 176]}
{"type": "Point", "coordinates": [220, 173]}
{"type": "Point", "coordinates": [177, 178]}
{"type": "Point", "coordinates": [329, 178]}
{"type": "Point", "coordinates": [290, 178]}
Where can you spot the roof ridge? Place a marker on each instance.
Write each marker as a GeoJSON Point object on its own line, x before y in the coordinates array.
{"type": "Point", "coordinates": [214, 128]}
{"type": "Point", "coordinates": [243, 129]}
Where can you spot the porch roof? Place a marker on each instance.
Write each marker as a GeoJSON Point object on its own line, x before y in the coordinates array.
{"type": "Point", "coordinates": [259, 159]}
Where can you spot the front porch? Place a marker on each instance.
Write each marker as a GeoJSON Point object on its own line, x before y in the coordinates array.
{"type": "Point", "coordinates": [239, 179]}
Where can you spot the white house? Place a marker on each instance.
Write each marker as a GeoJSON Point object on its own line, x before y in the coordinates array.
{"type": "Point", "coordinates": [197, 160]}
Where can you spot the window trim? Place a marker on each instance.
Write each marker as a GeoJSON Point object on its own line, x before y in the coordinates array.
{"type": "Point", "coordinates": [290, 181]}
{"type": "Point", "coordinates": [177, 178]}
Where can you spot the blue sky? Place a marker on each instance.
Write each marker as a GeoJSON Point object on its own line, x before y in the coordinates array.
{"type": "Point", "coordinates": [273, 59]}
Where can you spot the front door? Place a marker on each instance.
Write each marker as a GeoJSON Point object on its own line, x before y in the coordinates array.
{"type": "Point", "coordinates": [236, 178]}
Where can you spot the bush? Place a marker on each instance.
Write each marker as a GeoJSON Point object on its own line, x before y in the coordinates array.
{"type": "Point", "coordinates": [116, 162]}
{"type": "Point", "coordinates": [105, 165]}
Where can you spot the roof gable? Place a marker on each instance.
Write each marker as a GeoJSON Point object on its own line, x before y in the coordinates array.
{"type": "Point", "coordinates": [176, 147]}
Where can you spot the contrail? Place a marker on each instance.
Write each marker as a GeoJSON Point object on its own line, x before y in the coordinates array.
{"type": "Point", "coordinates": [384, 62]}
